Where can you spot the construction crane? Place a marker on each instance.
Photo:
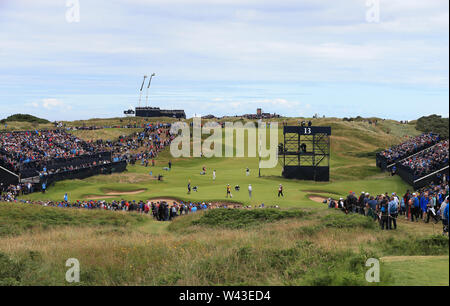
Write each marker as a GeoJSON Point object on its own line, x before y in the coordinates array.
{"type": "Point", "coordinates": [149, 82]}
{"type": "Point", "coordinates": [142, 87]}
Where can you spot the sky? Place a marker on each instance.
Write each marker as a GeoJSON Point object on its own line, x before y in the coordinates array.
{"type": "Point", "coordinates": [82, 59]}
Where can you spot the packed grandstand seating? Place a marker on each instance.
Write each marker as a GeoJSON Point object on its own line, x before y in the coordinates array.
{"type": "Point", "coordinates": [409, 147]}
{"type": "Point", "coordinates": [56, 154]}
{"type": "Point", "coordinates": [31, 151]}
{"type": "Point", "coordinates": [429, 160]}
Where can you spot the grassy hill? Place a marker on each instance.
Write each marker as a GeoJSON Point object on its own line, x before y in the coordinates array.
{"type": "Point", "coordinates": [304, 243]}
{"type": "Point", "coordinates": [269, 247]}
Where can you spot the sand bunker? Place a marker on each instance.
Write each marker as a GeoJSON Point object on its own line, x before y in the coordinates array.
{"type": "Point", "coordinates": [316, 198]}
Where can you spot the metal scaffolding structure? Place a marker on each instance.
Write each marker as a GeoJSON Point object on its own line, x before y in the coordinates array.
{"type": "Point", "coordinates": [306, 152]}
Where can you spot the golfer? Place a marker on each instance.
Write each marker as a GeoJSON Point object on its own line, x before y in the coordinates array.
{"type": "Point", "coordinates": [229, 191]}
{"type": "Point", "coordinates": [280, 190]}
{"type": "Point", "coordinates": [250, 191]}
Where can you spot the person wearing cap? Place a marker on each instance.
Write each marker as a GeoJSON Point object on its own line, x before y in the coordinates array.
{"type": "Point", "coordinates": [372, 208]}
{"type": "Point", "coordinates": [250, 191]}
{"type": "Point", "coordinates": [229, 191]}
{"type": "Point", "coordinates": [415, 208]}
{"type": "Point", "coordinates": [280, 190]}
{"type": "Point", "coordinates": [331, 203]}
{"type": "Point", "coordinates": [392, 212]}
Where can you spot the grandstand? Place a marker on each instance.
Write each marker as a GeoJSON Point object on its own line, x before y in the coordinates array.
{"type": "Point", "coordinates": [47, 156]}
{"type": "Point", "coordinates": [419, 160]}
{"type": "Point", "coordinates": [50, 155]}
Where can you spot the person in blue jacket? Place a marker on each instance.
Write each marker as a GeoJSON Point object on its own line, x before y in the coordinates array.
{"type": "Point", "coordinates": [445, 217]}
{"type": "Point", "coordinates": [392, 213]}
{"type": "Point", "coordinates": [416, 208]}
{"type": "Point", "coordinates": [423, 205]}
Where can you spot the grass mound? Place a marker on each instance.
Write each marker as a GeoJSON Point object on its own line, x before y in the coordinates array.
{"type": "Point", "coordinates": [237, 218]}
{"type": "Point", "coordinates": [429, 245]}
{"type": "Point", "coordinates": [347, 221]}
{"type": "Point", "coordinates": [17, 218]}
{"type": "Point", "coordinates": [24, 118]}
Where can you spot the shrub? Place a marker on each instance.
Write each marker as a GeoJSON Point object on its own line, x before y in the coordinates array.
{"type": "Point", "coordinates": [238, 218]}
{"type": "Point", "coordinates": [435, 124]}
{"type": "Point", "coordinates": [15, 272]}
{"type": "Point", "coordinates": [347, 221]}
{"type": "Point", "coordinates": [429, 245]}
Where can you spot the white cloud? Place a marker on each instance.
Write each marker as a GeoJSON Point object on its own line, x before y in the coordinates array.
{"type": "Point", "coordinates": [227, 41]}
{"type": "Point", "coordinates": [51, 104]}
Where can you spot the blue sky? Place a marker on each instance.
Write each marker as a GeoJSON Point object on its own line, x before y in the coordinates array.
{"type": "Point", "coordinates": [225, 57]}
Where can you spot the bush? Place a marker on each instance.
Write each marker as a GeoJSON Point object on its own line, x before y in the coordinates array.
{"type": "Point", "coordinates": [15, 272]}
{"type": "Point", "coordinates": [347, 221]}
{"type": "Point", "coordinates": [238, 218]}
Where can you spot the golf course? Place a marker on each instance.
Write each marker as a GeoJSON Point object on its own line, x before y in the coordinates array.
{"type": "Point", "coordinates": [301, 243]}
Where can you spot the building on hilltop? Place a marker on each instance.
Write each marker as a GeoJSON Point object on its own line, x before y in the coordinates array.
{"type": "Point", "coordinates": [260, 115]}
{"type": "Point", "coordinates": [157, 112]}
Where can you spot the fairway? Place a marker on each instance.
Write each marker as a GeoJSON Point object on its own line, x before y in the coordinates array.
{"type": "Point", "coordinates": [351, 169]}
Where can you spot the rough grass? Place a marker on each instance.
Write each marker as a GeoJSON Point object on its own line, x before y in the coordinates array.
{"type": "Point", "coordinates": [297, 249]}
{"type": "Point", "coordinates": [340, 220]}
{"type": "Point", "coordinates": [429, 245]}
{"type": "Point", "coordinates": [238, 218]}
{"type": "Point", "coordinates": [16, 218]}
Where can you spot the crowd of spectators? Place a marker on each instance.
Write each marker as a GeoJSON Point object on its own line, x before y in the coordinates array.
{"type": "Point", "coordinates": [21, 150]}
{"type": "Point", "coordinates": [49, 152]}
{"type": "Point", "coordinates": [159, 210]}
{"type": "Point", "coordinates": [429, 160]}
{"type": "Point", "coordinates": [409, 147]}
{"type": "Point", "coordinates": [34, 153]}
{"type": "Point", "coordinates": [9, 193]}
{"type": "Point", "coordinates": [427, 203]}
{"type": "Point", "coordinates": [143, 145]}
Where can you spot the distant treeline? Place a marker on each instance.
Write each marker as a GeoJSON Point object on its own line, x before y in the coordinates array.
{"type": "Point", "coordinates": [435, 124]}
{"type": "Point", "coordinates": [24, 118]}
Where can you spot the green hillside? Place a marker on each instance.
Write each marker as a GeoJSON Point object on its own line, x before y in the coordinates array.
{"type": "Point", "coordinates": [304, 243]}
